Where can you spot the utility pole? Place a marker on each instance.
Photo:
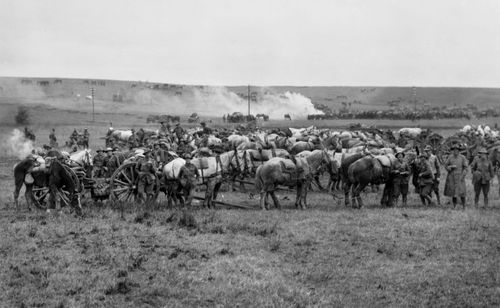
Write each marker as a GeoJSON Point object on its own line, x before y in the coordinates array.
{"type": "Point", "coordinates": [414, 93]}
{"type": "Point", "coordinates": [248, 99]}
{"type": "Point", "coordinates": [92, 90]}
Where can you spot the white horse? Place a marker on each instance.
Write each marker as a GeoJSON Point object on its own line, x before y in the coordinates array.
{"type": "Point", "coordinates": [83, 157]}
{"type": "Point", "coordinates": [210, 171]}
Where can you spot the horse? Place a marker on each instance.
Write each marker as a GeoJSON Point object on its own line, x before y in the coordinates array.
{"type": "Point", "coordinates": [370, 170]}
{"type": "Point", "coordinates": [280, 171]}
{"type": "Point", "coordinates": [211, 170]}
{"type": "Point", "coordinates": [60, 178]}
{"type": "Point", "coordinates": [144, 135]}
{"type": "Point", "coordinates": [235, 140]}
{"type": "Point", "coordinates": [120, 136]}
{"type": "Point", "coordinates": [83, 159]}
{"type": "Point", "coordinates": [21, 170]}
{"type": "Point", "coordinates": [301, 146]}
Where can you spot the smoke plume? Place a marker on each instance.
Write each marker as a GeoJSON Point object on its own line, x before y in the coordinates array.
{"type": "Point", "coordinates": [217, 101]}
{"type": "Point", "coordinates": [17, 145]}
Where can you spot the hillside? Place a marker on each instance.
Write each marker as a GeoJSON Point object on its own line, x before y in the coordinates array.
{"type": "Point", "coordinates": [147, 97]}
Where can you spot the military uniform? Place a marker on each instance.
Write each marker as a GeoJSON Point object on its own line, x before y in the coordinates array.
{"type": "Point", "coordinates": [482, 173]}
{"type": "Point", "coordinates": [425, 180]}
{"type": "Point", "coordinates": [98, 163]}
{"type": "Point", "coordinates": [188, 176]}
{"type": "Point", "coordinates": [86, 138]}
{"type": "Point", "coordinates": [53, 139]}
{"type": "Point", "coordinates": [401, 180]}
{"type": "Point", "coordinates": [434, 163]}
{"type": "Point", "coordinates": [146, 180]}
{"type": "Point", "coordinates": [179, 132]}
{"type": "Point", "coordinates": [455, 180]}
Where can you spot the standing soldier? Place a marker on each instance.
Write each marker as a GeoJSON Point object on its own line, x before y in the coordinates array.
{"type": "Point", "coordinates": [456, 165]}
{"type": "Point", "coordinates": [53, 139]}
{"type": "Point", "coordinates": [110, 164]}
{"type": "Point", "coordinates": [435, 167]}
{"type": "Point", "coordinates": [164, 130]}
{"type": "Point", "coordinates": [179, 132]}
{"type": "Point", "coordinates": [188, 175]}
{"type": "Point", "coordinates": [482, 173]}
{"type": "Point", "coordinates": [86, 138]}
{"type": "Point", "coordinates": [146, 179]}
{"type": "Point", "coordinates": [425, 179]}
{"type": "Point", "coordinates": [401, 179]}
{"type": "Point", "coordinates": [132, 140]}
{"type": "Point", "coordinates": [98, 163]}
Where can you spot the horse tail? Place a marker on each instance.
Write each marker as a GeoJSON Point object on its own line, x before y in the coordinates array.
{"type": "Point", "coordinates": [259, 183]}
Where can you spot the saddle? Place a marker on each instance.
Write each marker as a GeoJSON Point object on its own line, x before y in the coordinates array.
{"type": "Point", "coordinates": [293, 170]}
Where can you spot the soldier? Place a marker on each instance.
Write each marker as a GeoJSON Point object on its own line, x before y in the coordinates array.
{"type": "Point", "coordinates": [107, 162]}
{"type": "Point", "coordinates": [146, 179]}
{"type": "Point", "coordinates": [53, 139]}
{"type": "Point", "coordinates": [456, 165]}
{"type": "Point", "coordinates": [98, 163]}
{"type": "Point", "coordinates": [73, 137]}
{"type": "Point", "coordinates": [205, 130]}
{"type": "Point", "coordinates": [164, 130]}
{"type": "Point", "coordinates": [401, 179]}
{"type": "Point", "coordinates": [482, 173]}
{"type": "Point", "coordinates": [132, 141]}
{"type": "Point", "coordinates": [188, 175]}
{"type": "Point", "coordinates": [425, 179]}
{"type": "Point", "coordinates": [179, 132]}
{"type": "Point", "coordinates": [436, 171]}
{"type": "Point", "coordinates": [86, 138]}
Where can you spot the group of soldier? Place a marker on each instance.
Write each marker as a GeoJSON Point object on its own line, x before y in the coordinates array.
{"type": "Point", "coordinates": [426, 180]}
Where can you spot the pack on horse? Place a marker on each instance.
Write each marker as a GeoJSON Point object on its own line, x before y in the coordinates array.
{"type": "Point", "coordinates": [371, 170]}
{"type": "Point", "coordinates": [24, 174]}
{"type": "Point", "coordinates": [58, 178]}
{"type": "Point", "coordinates": [280, 171]}
{"type": "Point", "coordinates": [212, 170]}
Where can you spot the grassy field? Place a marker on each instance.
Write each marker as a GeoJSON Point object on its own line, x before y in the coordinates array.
{"type": "Point", "coordinates": [327, 255]}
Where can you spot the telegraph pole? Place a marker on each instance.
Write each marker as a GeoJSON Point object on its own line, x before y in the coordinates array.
{"type": "Point", "coordinates": [92, 91]}
{"type": "Point", "coordinates": [414, 93]}
{"type": "Point", "coordinates": [248, 99]}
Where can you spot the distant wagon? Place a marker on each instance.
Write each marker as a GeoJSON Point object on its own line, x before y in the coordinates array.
{"type": "Point", "coordinates": [193, 118]}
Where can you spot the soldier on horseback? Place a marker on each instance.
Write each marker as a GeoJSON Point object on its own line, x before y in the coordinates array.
{"type": "Point", "coordinates": [86, 138]}
{"type": "Point", "coordinates": [53, 139]}
{"type": "Point", "coordinates": [179, 132]}
{"type": "Point", "coordinates": [73, 138]}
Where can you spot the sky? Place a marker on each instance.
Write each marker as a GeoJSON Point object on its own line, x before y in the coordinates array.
{"type": "Point", "coordinates": [258, 42]}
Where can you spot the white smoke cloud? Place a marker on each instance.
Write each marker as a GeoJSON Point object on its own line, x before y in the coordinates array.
{"type": "Point", "coordinates": [17, 145]}
{"type": "Point", "coordinates": [217, 101]}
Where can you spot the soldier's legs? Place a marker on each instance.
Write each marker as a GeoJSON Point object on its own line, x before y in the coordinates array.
{"type": "Point", "coordinates": [462, 200]}
{"type": "Point", "coordinates": [477, 192]}
{"type": "Point", "coordinates": [404, 192]}
{"type": "Point", "coordinates": [396, 191]}
{"type": "Point", "coordinates": [486, 191]}
{"type": "Point", "coordinates": [435, 188]}
{"type": "Point", "coordinates": [454, 201]}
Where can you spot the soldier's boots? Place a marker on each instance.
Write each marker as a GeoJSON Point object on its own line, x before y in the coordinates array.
{"type": "Point", "coordinates": [462, 200]}
{"type": "Point", "coordinates": [404, 200]}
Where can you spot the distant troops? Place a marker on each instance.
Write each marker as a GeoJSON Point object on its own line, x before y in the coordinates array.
{"type": "Point", "coordinates": [74, 137]}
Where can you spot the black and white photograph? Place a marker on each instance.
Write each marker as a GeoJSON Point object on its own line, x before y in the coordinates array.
{"type": "Point", "coordinates": [237, 153]}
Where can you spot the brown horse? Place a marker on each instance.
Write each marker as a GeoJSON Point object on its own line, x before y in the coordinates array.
{"type": "Point", "coordinates": [280, 171]}
{"type": "Point", "coordinates": [369, 170]}
{"type": "Point", "coordinates": [63, 183]}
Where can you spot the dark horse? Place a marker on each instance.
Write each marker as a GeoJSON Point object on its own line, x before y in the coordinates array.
{"type": "Point", "coordinates": [58, 180]}
{"type": "Point", "coordinates": [39, 179]}
{"type": "Point", "coordinates": [371, 170]}
{"type": "Point", "coordinates": [65, 184]}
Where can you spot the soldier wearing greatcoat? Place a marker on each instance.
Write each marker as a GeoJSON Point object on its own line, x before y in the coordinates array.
{"type": "Point", "coordinates": [98, 163]}
{"type": "Point", "coordinates": [425, 179]}
{"type": "Point", "coordinates": [401, 179]}
{"type": "Point", "coordinates": [456, 165]}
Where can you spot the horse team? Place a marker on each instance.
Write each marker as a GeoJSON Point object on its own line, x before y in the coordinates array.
{"type": "Point", "coordinates": [294, 158]}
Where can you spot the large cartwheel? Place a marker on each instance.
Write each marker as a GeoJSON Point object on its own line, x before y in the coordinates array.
{"type": "Point", "coordinates": [123, 183]}
{"type": "Point", "coordinates": [41, 194]}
